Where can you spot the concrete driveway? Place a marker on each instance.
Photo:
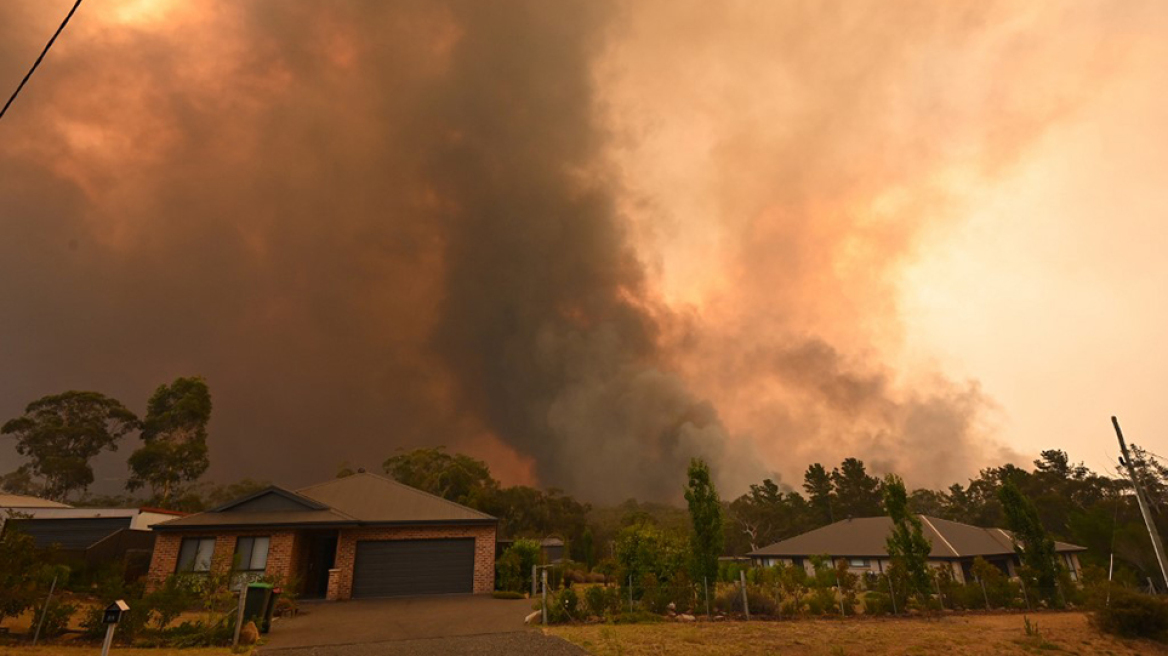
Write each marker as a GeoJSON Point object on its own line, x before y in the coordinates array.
{"type": "Point", "coordinates": [472, 623]}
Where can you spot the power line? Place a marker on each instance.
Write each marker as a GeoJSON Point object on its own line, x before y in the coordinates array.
{"type": "Point", "coordinates": [38, 59]}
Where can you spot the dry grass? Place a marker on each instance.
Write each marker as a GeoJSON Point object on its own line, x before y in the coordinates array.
{"type": "Point", "coordinates": [951, 635]}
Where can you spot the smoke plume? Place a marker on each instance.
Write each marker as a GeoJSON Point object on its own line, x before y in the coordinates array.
{"type": "Point", "coordinates": [585, 241]}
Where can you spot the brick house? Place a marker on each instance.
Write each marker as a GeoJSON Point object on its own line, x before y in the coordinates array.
{"type": "Point", "coordinates": [862, 542]}
{"type": "Point", "coordinates": [359, 536]}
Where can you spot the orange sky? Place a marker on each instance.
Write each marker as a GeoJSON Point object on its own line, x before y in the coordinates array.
{"type": "Point", "coordinates": [925, 234]}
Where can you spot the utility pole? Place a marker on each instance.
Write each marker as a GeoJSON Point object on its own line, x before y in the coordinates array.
{"type": "Point", "coordinates": [1157, 546]}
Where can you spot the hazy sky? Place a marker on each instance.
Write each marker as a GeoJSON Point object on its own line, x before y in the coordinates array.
{"type": "Point", "coordinates": [588, 241]}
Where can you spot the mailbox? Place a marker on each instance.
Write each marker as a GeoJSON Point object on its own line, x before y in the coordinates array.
{"type": "Point", "coordinates": [113, 612]}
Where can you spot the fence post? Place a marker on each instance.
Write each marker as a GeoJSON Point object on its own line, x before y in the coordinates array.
{"type": "Point", "coordinates": [630, 593]}
{"type": "Point", "coordinates": [745, 604]}
{"type": "Point", "coordinates": [892, 595]}
{"type": "Point", "coordinates": [44, 611]}
{"type": "Point", "coordinates": [984, 593]}
{"type": "Point", "coordinates": [239, 615]}
{"type": "Point", "coordinates": [543, 579]}
{"type": "Point", "coordinates": [1026, 597]}
{"type": "Point", "coordinates": [706, 580]}
{"type": "Point", "coordinates": [838, 590]}
{"type": "Point", "coordinates": [534, 580]}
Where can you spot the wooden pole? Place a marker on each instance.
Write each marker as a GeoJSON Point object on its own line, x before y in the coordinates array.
{"type": "Point", "coordinates": [239, 615]}
{"type": "Point", "coordinates": [1157, 546]}
{"type": "Point", "coordinates": [745, 604]}
{"type": "Point", "coordinates": [543, 580]}
{"type": "Point", "coordinates": [109, 639]}
{"type": "Point", "coordinates": [706, 580]}
{"type": "Point", "coordinates": [839, 591]}
{"type": "Point", "coordinates": [44, 611]}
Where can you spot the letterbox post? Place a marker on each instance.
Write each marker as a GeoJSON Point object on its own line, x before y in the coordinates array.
{"type": "Point", "coordinates": [110, 617]}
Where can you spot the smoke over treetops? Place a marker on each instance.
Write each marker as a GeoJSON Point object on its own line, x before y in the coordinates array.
{"type": "Point", "coordinates": [584, 241]}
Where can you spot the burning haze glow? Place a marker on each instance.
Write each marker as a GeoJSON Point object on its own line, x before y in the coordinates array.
{"type": "Point", "coordinates": [588, 241]}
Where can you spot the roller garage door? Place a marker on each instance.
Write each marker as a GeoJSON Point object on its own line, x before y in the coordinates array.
{"type": "Point", "coordinates": [387, 568]}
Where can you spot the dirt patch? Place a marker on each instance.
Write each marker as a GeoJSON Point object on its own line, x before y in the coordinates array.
{"type": "Point", "coordinates": [972, 635]}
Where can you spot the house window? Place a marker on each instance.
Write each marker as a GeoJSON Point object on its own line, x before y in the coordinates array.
{"type": "Point", "coordinates": [251, 554]}
{"type": "Point", "coordinates": [858, 562]}
{"type": "Point", "coordinates": [194, 555]}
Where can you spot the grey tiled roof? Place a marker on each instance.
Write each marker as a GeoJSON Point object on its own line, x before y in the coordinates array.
{"type": "Point", "coordinates": [350, 501]}
{"type": "Point", "coordinates": [865, 538]}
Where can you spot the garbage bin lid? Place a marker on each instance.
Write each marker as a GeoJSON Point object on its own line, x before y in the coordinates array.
{"type": "Point", "coordinates": [259, 584]}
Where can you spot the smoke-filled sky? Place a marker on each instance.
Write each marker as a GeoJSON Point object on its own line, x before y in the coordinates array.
{"type": "Point", "coordinates": [587, 241]}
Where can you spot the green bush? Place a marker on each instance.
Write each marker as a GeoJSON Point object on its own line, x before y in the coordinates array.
{"type": "Point", "coordinates": [636, 617]}
{"type": "Point", "coordinates": [1133, 615]}
{"type": "Point", "coordinates": [129, 627]}
{"type": "Point", "coordinates": [507, 594]}
{"type": "Point", "coordinates": [822, 601]}
{"type": "Point", "coordinates": [601, 600]}
{"type": "Point", "coordinates": [169, 601]}
{"type": "Point", "coordinates": [56, 618]}
{"type": "Point", "coordinates": [563, 606]}
{"type": "Point", "coordinates": [728, 599]}
{"type": "Point", "coordinates": [877, 603]}
{"type": "Point", "coordinates": [514, 566]}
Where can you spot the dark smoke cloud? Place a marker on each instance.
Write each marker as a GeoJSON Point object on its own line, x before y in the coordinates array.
{"type": "Point", "coordinates": [369, 226]}
{"type": "Point", "coordinates": [381, 225]}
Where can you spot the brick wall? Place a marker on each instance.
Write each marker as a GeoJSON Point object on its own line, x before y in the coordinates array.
{"type": "Point", "coordinates": [484, 537]}
{"type": "Point", "coordinates": [285, 553]}
{"type": "Point", "coordinates": [164, 560]}
{"type": "Point", "coordinates": [288, 553]}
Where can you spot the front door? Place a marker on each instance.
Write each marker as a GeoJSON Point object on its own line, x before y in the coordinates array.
{"type": "Point", "coordinates": [322, 553]}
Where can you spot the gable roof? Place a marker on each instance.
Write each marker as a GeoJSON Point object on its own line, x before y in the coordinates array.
{"type": "Point", "coordinates": [865, 537]}
{"type": "Point", "coordinates": [355, 500]}
{"type": "Point", "coordinates": [372, 498]}
{"type": "Point", "coordinates": [22, 501]}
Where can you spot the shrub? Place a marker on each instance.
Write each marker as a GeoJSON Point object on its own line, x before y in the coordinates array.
{"type": "Point", "coordinates": [507, 594]}
{"type": "Point", "coordinates": [1133, 615]}
{"type": "Point", "coordinates": [822, 601]}
{"type": "Point", "coordinates": [728, 599]}
{"type": "Point", "coordinates": [1001, 592]}
{"type": "Point", "coordinates": [56, 618]}
{"type": "Point", "coordinates": [169, 601]}
{"type": "Point", "coordinates": [129, 626]}
{"type": "Point", "coordinates": [514, 566]}
{"type": "Point", "coordinates": [877, 603]}
{"type": "Point", "coordinates": [636, 617]}
{"type": "Point", "coordinates": [563, 606]}
{"type": "Point", "coordinates": [602, 600]}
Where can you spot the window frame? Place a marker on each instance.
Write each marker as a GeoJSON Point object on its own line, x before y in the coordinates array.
{"type": "Point", "coordinates": [249, 567]}
{"type": "Point", "coordinates": [860, 563]}
{"type": "Point", "coordinates": [198, 542]}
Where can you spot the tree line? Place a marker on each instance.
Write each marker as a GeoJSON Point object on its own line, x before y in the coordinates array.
{"type": "Point", "coordinates": [61, 434]}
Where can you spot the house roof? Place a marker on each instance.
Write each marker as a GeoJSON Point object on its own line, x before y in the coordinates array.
{"type": "Point", "coordinates": [354, 500]}
{"type": "Point", "coordinates": [867, 536]}
{"type": "Point", "coordinates": [22, 501]}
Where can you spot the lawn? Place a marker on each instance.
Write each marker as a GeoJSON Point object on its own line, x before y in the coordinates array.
{"type": "Point", "coordinates": [974, 635]}
{"type": "Point", "coordinates": [59, 650]}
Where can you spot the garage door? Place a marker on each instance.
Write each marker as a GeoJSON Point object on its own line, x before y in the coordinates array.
{"type": "Point", "coordinates": [413, 567]}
